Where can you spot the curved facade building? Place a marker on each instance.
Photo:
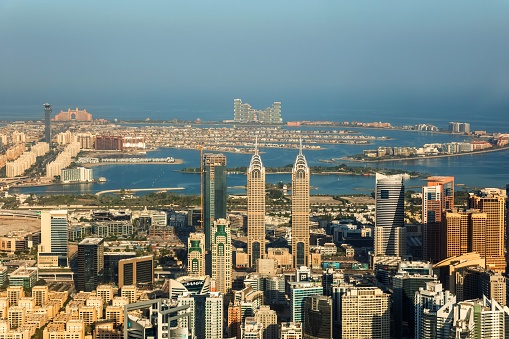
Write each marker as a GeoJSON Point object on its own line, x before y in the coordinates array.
{"type": "Point", "coordinates": [390, 230]}
{"type": "Point", "coordinates": [255, 209]}
{"type": "Point", "coordinates": [300, 211]}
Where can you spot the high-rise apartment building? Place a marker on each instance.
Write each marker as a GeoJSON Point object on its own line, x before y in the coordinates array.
{"type": "Point", "coordinates": [428, 301]}
{"type": "Point", "coordinates": [90, 264]}
{"type": "Point", "coordinates": [492, 203]}
{"type": "Point", "coordinates": [206, 320]}
{"type": "Point", "coordinates": [47, 123]}
{"type": "Point", "coordinates": [196, 254]}
{"type": "Point", "coordinates": [243, 113]}
{"type": "Point", "coordinates": [390, 232]}
{"type": "Point", "coordinates": [255, 209]}
{"type": "Point", "coordinates": [222, 255]}
{"type": "Point", "coordinates": [299, 291]}
{"type": "Point", "coordinates": [53, 247]}
{"type": "Point", "coordinates": [365, 313]}
{"type": "Point", "coordinates": [437, 197]}
{"type": "Point", "coordinates": [405, 285]}
{"type": "Point", "coordinates": [300, 211]}
{"type": "Point", "coordinates": [213, 192]}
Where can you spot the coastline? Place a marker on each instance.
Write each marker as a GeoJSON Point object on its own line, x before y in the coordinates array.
{"type": "Point", "coordinates": [426, 157]}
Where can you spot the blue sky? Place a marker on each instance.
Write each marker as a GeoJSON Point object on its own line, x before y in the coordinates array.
{"type": "Point", "coordinates": [348, 54]}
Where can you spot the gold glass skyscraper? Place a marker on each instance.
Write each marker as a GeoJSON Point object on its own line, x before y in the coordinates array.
{"type": "Point", "coordinates": [300, 211]}
{"type": "Point", "coordinates": [493, 204]}
{"type": "Point", "coordinates": [255, 209]}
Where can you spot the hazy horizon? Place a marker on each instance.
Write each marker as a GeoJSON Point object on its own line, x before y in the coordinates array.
{"type": "Point", "coordinates": [324, 57]}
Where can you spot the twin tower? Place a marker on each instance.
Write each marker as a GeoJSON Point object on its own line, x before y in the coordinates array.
{"type": "Point", "coordinates": [214, 204]}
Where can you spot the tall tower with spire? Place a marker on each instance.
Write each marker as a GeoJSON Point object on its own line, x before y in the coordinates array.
{"type": "Point", "coordinates": [255, 208]}
{"type": "Point", "coordinates": [300, 211]}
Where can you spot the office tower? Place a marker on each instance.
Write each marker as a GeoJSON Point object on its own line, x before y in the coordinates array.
{"type": "Point", "coordinates": [90, 264]}
{"type": "Point", "coordinates": [189, 284]}
{"type": "Point", "coordinates": [222, 255]}
{"type": "Point", "coordinates": [464, 232]}
{"type": "Point", "coordinates": [268, 318]}
{"type": "Point", "coordinates": [452, 272]}
{"type": "Point", "coordinates": [47, 123]}
{"type": "Point", "coordinates": [213, 192]}
{"type": "Point", "coordinates": [300, 211]}
{"type": "Point", "coordinates": [436, 197]}
{"type": "Point", "coordinates": [53, 247]}
{"type": "Point", "coordinates": [136, 271]}
{"type": "Point", "coordinates": [478, 318]}
{"type": "Point", "coordinates": [479, 282]}
{"type": "Point", "coordinates": [405, 285]}
{"type": "Point", "coordinates": [428, 301]}
{"type": "Point", "coordinates": [390, 233]}
{"type": "Point", "coordinates": [492, 203]}
{"type": "Point", "coordinates": [299, 291]}
{"type": "Point", "coordinates": [111, 260]}
{"type": "Point", "coordinates": [318, 317]}
{"type": "Point", "coordinates": [365, 313]}
{"type": "Point", "coordinates": [255, 209]}
{"type": "Point", "coordinates": [157, 318]}
{"type": "Point", "coordinates": [206, 320]}
{"type": "Point", "coordinates": [291, 330]}
{"type": "Point", "coordinates": [196, 254]}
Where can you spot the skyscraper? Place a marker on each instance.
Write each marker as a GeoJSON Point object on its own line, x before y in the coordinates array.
{"type": "Point", "coordinates": [213, 192]}
{"type": "Point", "coordinates": [300, 211]}
{"type": "Point", "coordinates": [90, 263]}
{"type": "Point", "coordinates": [390, 230]}
{"type": "Point", "coordinates": [196, 254]}
{"type": "Point", "coordinates": [318, 317]}
{"type": "Point", "coordinates": [53, 247]}
{"type": "Point", "coordinates": [428, 301]}
{"type": "Point", "coordinates": [492, 203]}
{"type": "Point", "coordinates": [365, 313]}
{"type": "Point", "coordinates": [206, 320]}
{"type": "Point", "coordinates": [47, 123]}
{"type": "Point", "coordinates": [255, 209]}
{"type": "Point", "coordinates": [222, 255]}
{"type": "Point", "coordinates": [436, 197]}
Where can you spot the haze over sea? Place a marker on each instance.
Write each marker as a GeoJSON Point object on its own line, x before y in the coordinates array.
{"type": "Point", "coordinates": [473, 171]}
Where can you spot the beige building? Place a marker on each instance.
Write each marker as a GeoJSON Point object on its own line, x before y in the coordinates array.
{"type": "Point", "coordinates": [255, 209]}
{"type": "Point", "coordinates": [300, 211]}
{"type": "Point", "coordinates": [268, 319]}
{"type": "Point", "coordinates": [40, 294]}
{"type": "Point", "coordinates": [14, 294]}
{"type": "Point", "coordinates": [136, 271]}
{"type": "Point", "coordinates": [105, 292]}
{"type": "Point", "coordinates": [106, 330]}
{"type": "Point", "coordinates": [116, 314]}
{"type": "Point", "coordinates": [16, 316]}
{"type": "Point", "coordinates": [291, 330]}
{"type": "Point", "coordinates": [365, 313]}
{"type": "Point", "coordinates": [221, 255]}
{"type": "Point", "coordinates": [196, 254]}
{"type": "Point", "coordinates": [130, 292]}
{"type": "Point", "coordinates": [282, 256]}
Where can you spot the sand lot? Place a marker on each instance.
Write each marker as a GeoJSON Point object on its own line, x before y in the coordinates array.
{"type": "Point", "coordinates": [8, 224]}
